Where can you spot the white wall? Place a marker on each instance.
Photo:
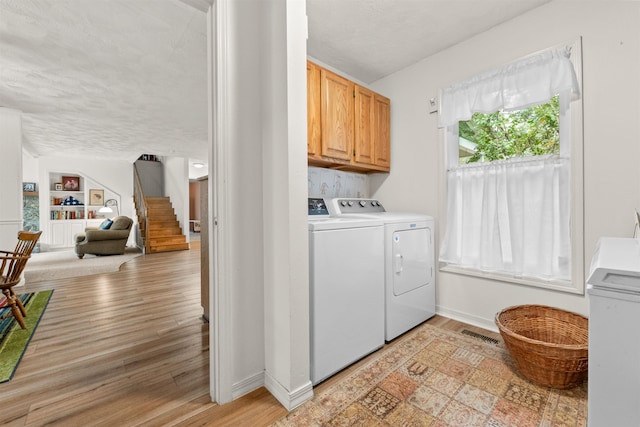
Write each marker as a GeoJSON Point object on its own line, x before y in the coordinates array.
{"type": "Point", "coordinates": [11, 176]}
{"type": "Point", "coordinates": [176, 187]}
{"type": "Point", "coordinates": [286, 273]}
{"type": "Point", "coordinates": [258, 198]}
{"type": "Point", "coordinates": [611, 94]}
{"type": "Point", "coordinates": [237, 195]}
{"type": "Point", "coordinates": [30, 169]}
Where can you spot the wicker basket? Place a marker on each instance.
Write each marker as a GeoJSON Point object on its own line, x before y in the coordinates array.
{"type": "Point", "coordinates": [550, 346]}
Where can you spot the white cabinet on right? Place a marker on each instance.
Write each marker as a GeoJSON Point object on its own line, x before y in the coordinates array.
{"type": "Point", "coordinates": [614, 342]}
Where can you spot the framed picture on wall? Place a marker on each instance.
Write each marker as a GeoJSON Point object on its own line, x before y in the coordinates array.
{"type": "Point", "coordinates": [71, 183]}
{"type": "Point", "coordinates": [96, 197]}
{"type": "Point", "coordinates": [57, 186]}
{"type": "Point", "coordinates": [29, 187]}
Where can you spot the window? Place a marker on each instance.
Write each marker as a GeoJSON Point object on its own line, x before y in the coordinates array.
{"type": "Point", "coordinates": [533, 131]}
{"type": "Point", "coordinates": [510, 209]}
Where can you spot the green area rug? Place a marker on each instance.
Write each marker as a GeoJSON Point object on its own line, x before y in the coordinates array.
{"type": "Point", "coordinates": [13, 339]}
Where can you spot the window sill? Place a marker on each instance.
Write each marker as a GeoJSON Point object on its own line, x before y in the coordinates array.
{"type": "Point", "coordinates": [555, 285]}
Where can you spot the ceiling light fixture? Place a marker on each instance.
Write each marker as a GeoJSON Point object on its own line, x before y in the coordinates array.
{"type": "Point", "coordinates": [198, 165]}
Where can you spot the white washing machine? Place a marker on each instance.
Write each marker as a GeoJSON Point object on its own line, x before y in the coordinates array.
{"type": "Point", "coordinates": [410, 296]}
{"type": "Point", "coordinates": [346, 277]}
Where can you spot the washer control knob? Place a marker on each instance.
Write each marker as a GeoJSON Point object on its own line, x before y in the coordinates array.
{"type": "Point", "coordinates": [373, 203]}
{"type": "Point", "coordinates": [343, 202]}
{"type": "Point", "coordinates": [363, 203]}
{"type": "Point", "coordinates": [350, 202]}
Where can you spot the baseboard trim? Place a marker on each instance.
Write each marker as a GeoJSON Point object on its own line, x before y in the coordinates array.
{"type": "Point", "coordinates": [290, 400]}
{"type": "Point", "coordinates": [247, 385]}
{"type": "Point", "coordinates": [470, 319]}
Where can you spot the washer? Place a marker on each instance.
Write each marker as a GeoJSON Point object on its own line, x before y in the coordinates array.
{"type": "Point", "coordinates": [346, 277]}
{"type": "Point", "coordinates": [410, 296]}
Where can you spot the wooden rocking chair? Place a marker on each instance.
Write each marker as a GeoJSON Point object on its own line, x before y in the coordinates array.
{"type": "Point", "coordinates": [11, 266]}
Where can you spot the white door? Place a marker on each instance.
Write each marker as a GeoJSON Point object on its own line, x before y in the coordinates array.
{"type": "Point", "coordinates": [411, 261]}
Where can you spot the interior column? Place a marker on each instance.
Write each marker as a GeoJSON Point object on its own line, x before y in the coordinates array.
{"type": "Point", "coordinates": [10, 177]}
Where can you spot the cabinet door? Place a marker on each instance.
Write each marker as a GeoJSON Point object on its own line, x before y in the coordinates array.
{"type": "Point", "coordinates": [314, 134]}
{"type": "Point", "coordinates": [364, 126]}
{"type": "Point", "coordinates": [75, 227]}
{"type": "Point", "coordinates": [62, 232]}
{"type": "Point", "coordinates": [57, 233]}
{"type": "Point", "coordinates": [382, 131]}
{"type": "Point", "coordinates": [336, 115]}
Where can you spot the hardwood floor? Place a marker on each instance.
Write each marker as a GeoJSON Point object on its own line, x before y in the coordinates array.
{"type": "Point", "coordinates": [129, 348]}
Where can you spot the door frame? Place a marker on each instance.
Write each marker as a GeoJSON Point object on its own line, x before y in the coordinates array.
{"type": "Point", "coordinates": [220, 343]}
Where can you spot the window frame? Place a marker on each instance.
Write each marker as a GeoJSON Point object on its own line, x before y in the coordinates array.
{"type": "Point", "coordinates": [573, 133]}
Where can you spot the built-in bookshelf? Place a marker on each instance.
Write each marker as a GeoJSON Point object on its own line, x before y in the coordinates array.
{"type": "Point", "coordinates": [74, 204]}
{"type": "Point", "coordinates": [71, 197]}
{"type": "Point", "coordinates": [67, 196]}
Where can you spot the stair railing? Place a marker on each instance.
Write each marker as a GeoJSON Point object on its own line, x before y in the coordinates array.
{"type": "Point", "coordinates": [141, 208]}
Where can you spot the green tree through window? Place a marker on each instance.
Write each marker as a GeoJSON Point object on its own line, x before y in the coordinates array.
{"type": "Point", "coordinates": [533, 131]}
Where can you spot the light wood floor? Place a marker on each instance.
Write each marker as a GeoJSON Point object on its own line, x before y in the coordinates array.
{"type": "Point", "coordinates": [130, 348]}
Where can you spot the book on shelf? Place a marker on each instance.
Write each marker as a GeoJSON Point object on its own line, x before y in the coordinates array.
{"type": "Point", "coordinates": [56, 215]}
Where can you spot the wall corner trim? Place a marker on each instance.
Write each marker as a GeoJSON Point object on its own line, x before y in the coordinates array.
{"type": "Point", "coordinates": [289, 399]}
{"type": "Point", "coordinates": [247, 385]}
{"type": "Point", "coordinates": [468, 318]}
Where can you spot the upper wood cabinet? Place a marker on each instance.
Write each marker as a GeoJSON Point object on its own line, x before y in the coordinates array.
{"type": "Point", "coordinates": [314, 140]}
{"type": "Point", "coordinates": [364, 126]}
{"type": "Point", "coordinates": [336, 115]}
{"type": "Point", "coordinates": [354, 123]}
{"type": "Point", "coordinates": [382, 132]}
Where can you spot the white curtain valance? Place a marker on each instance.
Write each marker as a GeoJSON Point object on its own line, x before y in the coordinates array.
{"type": "Point", "coordinates": [530, 81]}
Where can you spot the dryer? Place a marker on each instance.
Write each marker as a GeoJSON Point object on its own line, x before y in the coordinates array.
{"type": "Point", "coordinates": [410, 296]}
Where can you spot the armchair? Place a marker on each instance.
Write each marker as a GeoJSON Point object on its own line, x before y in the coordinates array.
{"type": "Point", "coordinates": [106, 239]}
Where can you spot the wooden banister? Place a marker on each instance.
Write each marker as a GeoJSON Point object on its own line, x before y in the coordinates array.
{"type": "Point", "coordinates": [141, 207]}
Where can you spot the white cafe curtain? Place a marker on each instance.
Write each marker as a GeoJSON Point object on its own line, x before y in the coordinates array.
{"type": "Point", "coordinates": [512, 216]}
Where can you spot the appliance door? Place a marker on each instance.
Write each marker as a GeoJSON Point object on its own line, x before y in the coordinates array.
{"type": "Point", "coordinates": [347, 297]}
{"type": "Point", "coordinates": [412, 261]}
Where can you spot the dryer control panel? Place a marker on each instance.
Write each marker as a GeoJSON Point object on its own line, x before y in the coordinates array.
{"type": "Point", "coordinates": [349, 206]}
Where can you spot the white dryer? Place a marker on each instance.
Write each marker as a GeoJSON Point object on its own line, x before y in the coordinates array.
{"type": "Point", "coordinates": [410, 296]}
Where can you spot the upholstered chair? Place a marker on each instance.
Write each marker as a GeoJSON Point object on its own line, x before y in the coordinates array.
{"type": "Point", "coordinates": [108, 239]}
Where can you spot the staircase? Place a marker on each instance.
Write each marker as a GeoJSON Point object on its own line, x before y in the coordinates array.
{"type": "Point", "coordinates": [164, 233]}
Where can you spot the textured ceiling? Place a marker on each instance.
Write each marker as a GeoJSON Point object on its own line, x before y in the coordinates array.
{"type": "Point", "coordinates": [370, 39]}
{"type": "Point", "coordinates": [112, 78]}
{"type": "Point", "coordinates": [118, 78]}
